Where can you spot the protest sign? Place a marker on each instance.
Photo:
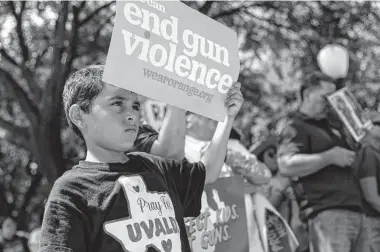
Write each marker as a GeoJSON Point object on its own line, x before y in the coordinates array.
{"type": "Point", "coordinates": [351, 113]}
{"type": "Point", "coordinates": [222, 224]}
{"type": "Point", "coordinates": [154, 113]}
{"type": "Point", "coordinates": [275, 232]}
{"type": "Point", "coordinates": [171, 53]}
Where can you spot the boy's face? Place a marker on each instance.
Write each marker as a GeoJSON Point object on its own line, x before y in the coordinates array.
{"type": "Point", "coordinates": [113, 120]}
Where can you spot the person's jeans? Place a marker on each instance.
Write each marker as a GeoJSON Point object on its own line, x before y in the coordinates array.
{"type": "Point", "coordinates": [339, 231]}
{"type": "Point", "coordinates": [374, 233]}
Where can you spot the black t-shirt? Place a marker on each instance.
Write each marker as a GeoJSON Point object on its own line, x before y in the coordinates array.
{"type": "Point", "coordinates": [330, 187]}
{"type": "Point", "coordinates": [137, 206]}
{"type": "Point", "coordinates": [368, 165]}
{"type": "Point", "coordinates": [145, 139]}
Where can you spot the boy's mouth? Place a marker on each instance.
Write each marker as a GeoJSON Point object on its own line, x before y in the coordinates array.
{"type": "Point", "coordinates": [131, 129]}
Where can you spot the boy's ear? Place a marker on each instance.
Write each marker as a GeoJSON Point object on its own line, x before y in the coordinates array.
{"type": "Point", "coordinates": [76, 116]}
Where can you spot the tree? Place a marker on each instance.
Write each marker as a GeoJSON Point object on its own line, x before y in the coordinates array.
{"type": "Point", "coordinates": [280, 45]}
{"type": "Point", "coordinates": [47, 42]}
{"type": "Point", "coordinates": [43, 42]}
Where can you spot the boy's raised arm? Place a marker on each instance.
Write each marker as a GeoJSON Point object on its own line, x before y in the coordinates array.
{"type": "Point", "coordinates": [213, 158]}
{"type": "Point", "coordinates": [171, 138]}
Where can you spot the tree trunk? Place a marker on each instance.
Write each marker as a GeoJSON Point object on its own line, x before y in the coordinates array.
{"type": "Point", "coordinates": [22, 214]}
{"type": "Point", "coordinates": [47, 148]}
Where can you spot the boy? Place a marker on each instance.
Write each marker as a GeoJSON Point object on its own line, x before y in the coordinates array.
{"type": "Point", "coordinates": [118, 202]}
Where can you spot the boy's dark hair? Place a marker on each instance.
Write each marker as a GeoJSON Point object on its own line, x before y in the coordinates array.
{"type": "Point", "coordinates": [312, 81]}
{"type": "Point", "coordinates": [81, 88]}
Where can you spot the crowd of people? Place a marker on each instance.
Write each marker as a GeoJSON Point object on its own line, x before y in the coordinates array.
{"type": "Point", "coordinates": [321, 181]}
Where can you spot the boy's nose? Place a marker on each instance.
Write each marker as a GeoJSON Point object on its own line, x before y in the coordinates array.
{"type": "Point", "coordinates": [130, 118]}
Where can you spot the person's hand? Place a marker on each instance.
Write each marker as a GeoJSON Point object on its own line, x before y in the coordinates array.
{"type": "Point", "coordinates": [372, 138]}
{"type": "Point", "coordinates": [280, 183]}
{"type": "Point", "coordinates": [340, 156]}
{"type": "Point", "coordinates": [289, 193]}
{"type": "Point", "coordinates": [234, 100]}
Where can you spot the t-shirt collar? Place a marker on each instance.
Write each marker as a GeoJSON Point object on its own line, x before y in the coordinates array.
{"type": "Point", "coordinates": [105, 166]}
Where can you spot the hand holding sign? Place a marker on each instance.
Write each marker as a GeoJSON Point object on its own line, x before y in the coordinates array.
{"type": "Point", "coordinates": [234, 100]}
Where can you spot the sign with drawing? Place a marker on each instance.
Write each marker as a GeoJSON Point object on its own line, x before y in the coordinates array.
{"type": "Point", "coordinates": [222, 224]}
{"type": "Point", "coordinates": [351, 113]}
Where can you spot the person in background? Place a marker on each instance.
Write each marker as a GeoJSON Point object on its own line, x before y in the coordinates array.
{"type": "Point", "coordinates": [199, 133]}
{"type": "Point", "coordinates": [320, 160]}
{"type": "Point", "coordinates": [275, 190]}
{"type": "Point", "coordinates": [279, 190]}
{"type": "Point", "coordinates": [367, 166]}
{"type": "Point", "coordinates": [10, 239]}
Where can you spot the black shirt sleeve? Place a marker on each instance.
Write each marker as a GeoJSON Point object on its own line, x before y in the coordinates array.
{"type": "Point", "coordinates": [367, 162]}
{"type": "Point", "coordinates": [188, 179]}
{"type": "Point", "coordinates": [63, 227]}
{"type": "Point", "coordinates": [294, 139]}
{"type": "Point", "coordinates": [145, 139]}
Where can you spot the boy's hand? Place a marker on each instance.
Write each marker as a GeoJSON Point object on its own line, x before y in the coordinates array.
{"type": "Point", "coordinates": [234, 100]}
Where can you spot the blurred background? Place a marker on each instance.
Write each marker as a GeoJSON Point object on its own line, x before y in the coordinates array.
{"type": "Point", "coordinates": [42, 42]}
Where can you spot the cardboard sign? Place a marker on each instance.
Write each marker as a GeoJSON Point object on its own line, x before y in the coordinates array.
{"type": "Point", "coordinates": [222, 224]}
{"type": "Point", "coordinates": [171, 53]}
{"type": "Point", "coordinates": [351, 113]}
{"type": "Point", "coordinates": [278, 239]}
{"type": "Point", "coordinates": [275, 232]}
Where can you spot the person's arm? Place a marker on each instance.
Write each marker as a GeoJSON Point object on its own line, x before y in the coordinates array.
{"type": "Point", "coordinates": [293, 157]}
{"type": "Point", "coordinates": [171, 138]}
{"type": "Point", "coordinates": [369, 187]}
{"type": "Point", "coordinates": [276, 192]}
{"type": "Point", "coordinates": [296, 160]}
{"type": "Point", "coordinates": [275, 198]}
{"type": "Point", "coordinates": [368, 161]}
{"type": "Point", "coordinates": [213, 157]}
{"type": "Point", "coordinates": [300, 165]}
{"type": "Point", "coordinates": [62, 229]}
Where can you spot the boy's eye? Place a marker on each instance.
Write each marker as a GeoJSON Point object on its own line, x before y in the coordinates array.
{"type": "Point", "coordinates": [136, 106]}
{"type": "Point", "coordinates": [117, 103]}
